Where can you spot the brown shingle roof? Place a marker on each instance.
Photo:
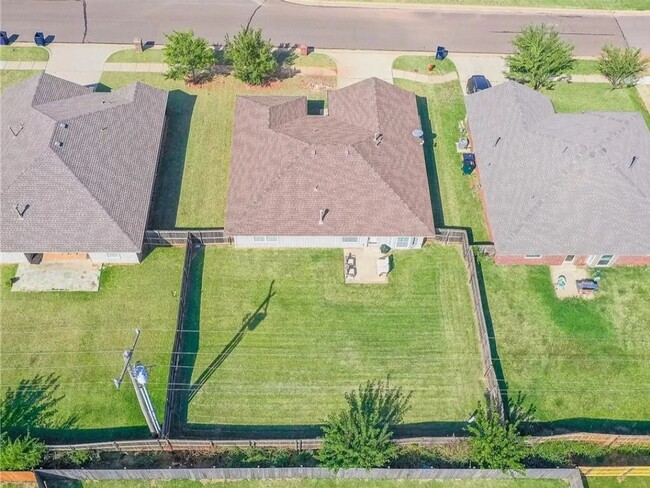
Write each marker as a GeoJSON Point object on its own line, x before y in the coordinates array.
{"type": "Point", "coordinates": [287, 166]}
{"type": "Point", "coordinates": [92, 193]}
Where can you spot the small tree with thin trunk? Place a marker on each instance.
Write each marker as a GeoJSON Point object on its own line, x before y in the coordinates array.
{"type": "Point", "coordinates": [360, 436]}
{"type": "Point", "coordinates": [621, 66]}
{"type": "Point", "coordinates": [540, 56]}
{"type": "Point", "coordinates": [20, 454]}
{"type": "Point", "coordinates": [188, 57]}
{"type": "Point", "coordinates": [251, 56]}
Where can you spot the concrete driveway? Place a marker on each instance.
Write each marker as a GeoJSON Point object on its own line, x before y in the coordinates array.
{"type": "Point", "coordinates": [491, 66]}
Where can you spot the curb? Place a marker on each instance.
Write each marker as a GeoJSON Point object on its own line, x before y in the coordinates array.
{"type": "Point", "coordinates": [378, 4]}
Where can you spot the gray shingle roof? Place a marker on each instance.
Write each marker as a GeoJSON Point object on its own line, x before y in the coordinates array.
{"type": "Point", "coordinates": [93, 192]}
{"type": "Point", "coordinates": [286, 166]}
{"type": "Point", "coordinates": [559, 184]}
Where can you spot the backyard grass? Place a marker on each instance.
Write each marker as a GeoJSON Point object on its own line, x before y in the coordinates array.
{"type": "Point", "coordinates": [456, 203]}
{"type": "Point", "coordinates": [580, 97]}
{"type": "Point", "coordinates": [574, 359]}
{"type": "Point", "coordinates": [132, 56]}
{"type": "Point", "coordinates": [193, 177]}
{"type": "Point", "coordinates": [289, 361]}
{"type": "Point", "coordinates": [11, 77]}
{"type": "Point", "coordinates": [317, 483]}
{"type": "Point", "coordinates": [79, 338]}
{"type": "Point", "coordinates": [12, 53]}
{"type": "Point", "coordinates": [605, 482]}
{"type": "Point", "coordinates": [316, 60]}
{"type": "Point", "coordinates": [588, 4]}
{"type": "Point", "coordinates": [420, 64]}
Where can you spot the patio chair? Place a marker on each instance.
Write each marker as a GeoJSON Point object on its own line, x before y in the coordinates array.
{"type": "Point", "coordinates": [351, 260]}
{"type": "Point", "coordinates": [350, 271]}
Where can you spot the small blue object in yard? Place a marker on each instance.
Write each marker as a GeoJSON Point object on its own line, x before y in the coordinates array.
{"type": "Point", "coordinates": [39, 39]}
{"type": "Point", "coordinates": [469, 163]}
{"type": "Point", "coordinates": [441, 53]}
{"type": "Point", "coordinates": [4, 40]}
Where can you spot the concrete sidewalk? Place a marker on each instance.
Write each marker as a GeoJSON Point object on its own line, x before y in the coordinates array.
{"type": "Point", "coordinates": [470, 9]}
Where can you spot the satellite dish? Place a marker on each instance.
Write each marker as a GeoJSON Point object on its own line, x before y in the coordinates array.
{"type": "Point", "coordinates": [417, 133]}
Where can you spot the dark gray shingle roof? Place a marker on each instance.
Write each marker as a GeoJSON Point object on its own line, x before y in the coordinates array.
{"type": "Point", "coordinates": [559, 184]}
{"type": "Point", "coordinates": [286, 166]}
{"type": "Point", "coordinates": [91, 193]}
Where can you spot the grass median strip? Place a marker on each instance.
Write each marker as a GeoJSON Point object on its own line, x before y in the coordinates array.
{"type": "Point", "coordinates": [13, 53]}
{"type": "Point", "coordinates": [133, 56]}
{"type": "Point", "coordinates": [421, 64]}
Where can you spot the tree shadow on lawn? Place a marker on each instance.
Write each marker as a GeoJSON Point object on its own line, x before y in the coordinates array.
{"type": "Point", "coordinates": [169, 177]}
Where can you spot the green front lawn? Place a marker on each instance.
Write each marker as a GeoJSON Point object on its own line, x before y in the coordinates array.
{"type": "Point", "coordinates": [79, 338]}
{"type": "Point", "coordinates": [320, 338]}
{"type": "Point", "coordinates": [11, 77]}
{"type": "Point", "coordinates": [456, 202]}
{"type": "Point", "coordinates": [12, 53]}
{"type": "Point", "coordinates": [320, 483]}
{"type": "Point", "coordinates": [132, 56]}
{"type": "Point", "coordinates": [574, 359]}
{"type": "Point", "coordinates": [316, 60]}
{"type": "Point", "coordinates": [585, 67]}
{"type": "Point", "coordinates": [580, 97]}
{"type": "Point", "coordinates": [588, 4]}
{"type": "Point", "coordinates": [193, 176]}
{"type": "Point", "coordinates": [420, 64]}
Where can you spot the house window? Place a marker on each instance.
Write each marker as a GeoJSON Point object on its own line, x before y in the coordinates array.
{"type": "Point", "coordinates": [533, 256]}
{"type": "Point", "coordinates": [570, 258]}
{"type": "Point", "coordinates": [349, 240]}
{"type": "Point", "coordinates": [261, 239]}
{"type": "Point", "coordinates": [402, 242]}
{"type": "Point", "coordinates": [605, 260]}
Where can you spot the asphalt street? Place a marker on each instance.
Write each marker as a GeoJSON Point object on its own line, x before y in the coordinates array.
{"type": "Point", "coordinates": [119, 21]}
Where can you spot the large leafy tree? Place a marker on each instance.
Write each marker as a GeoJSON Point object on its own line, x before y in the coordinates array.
{"type": "Point", "coordinates": [360, 435]}
{"type": "Point", "coordinates": [539, 57]}
{"type": "Point", "coordinates": [621, 66]}
{"type": "Point", "coordinates": [251, 56]}
{"type": "Point", "coordinates": [188, 57]}
{"type": "Point", "coordinates": [496, 443]}
{"type": "Point", "coordinates": [20, 454]}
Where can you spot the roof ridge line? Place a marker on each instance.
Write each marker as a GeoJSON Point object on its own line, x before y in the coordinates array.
{"type": "Point", "coordinates": [391, 188]}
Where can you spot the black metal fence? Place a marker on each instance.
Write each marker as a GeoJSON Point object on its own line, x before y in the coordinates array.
{"type": "Point", "coordinates": [459, 236]}
{"type": "Point", "coordinates": [174, 394]}
{"type": "Point", "coordinates": [161, 238]}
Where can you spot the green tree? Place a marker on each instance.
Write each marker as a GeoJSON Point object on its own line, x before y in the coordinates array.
{"type": "Point", "coordinates": [188, 57]}
{"type": "Point", "coordinates": [495, 443]}
{"type": "Point", "coordinates": [540, 56]}
{"type": "Point", "coordinates": [360, 435]}
{"type": "Point", "coordinates": [621, 66]}
{"type": "Point", "coordinates": [251, 56]}
{"type": "Point", "coordinates": [20, 454]}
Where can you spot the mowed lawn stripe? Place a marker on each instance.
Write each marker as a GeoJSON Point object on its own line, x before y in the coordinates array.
{"type": "Point", "coordinates": [321, 338]}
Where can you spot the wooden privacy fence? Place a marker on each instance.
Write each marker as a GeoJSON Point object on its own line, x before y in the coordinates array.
{"type": "Point", "coordinates": [572, 476]}
{"type": "Point", "coordinates": [162, 238]}
{"type": "Point", "coordinates": [458, 236]}
{"type": "Point", "coordinates": [174, 394]}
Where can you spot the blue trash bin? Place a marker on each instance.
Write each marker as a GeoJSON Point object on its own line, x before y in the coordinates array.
{"type": "Point", "coordinates": [441, 53]}
{"type": "Point", "coordinates": [39, 39]}
{"type": "Point", "coordinates": [4, 40]}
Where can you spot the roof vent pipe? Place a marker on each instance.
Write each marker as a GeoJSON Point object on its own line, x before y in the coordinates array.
{"type": "Point", "coordinates": [21, 209]}
{"type": "Point", "coordinates": [633, 161]}
{"type": "Point", "coordinates": [323, 213]}
{"type": "Point", "coordinates": [378, 137]}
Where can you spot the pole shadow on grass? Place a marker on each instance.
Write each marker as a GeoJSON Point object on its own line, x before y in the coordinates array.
{"type": "Point", "coordinates": [169, 177]}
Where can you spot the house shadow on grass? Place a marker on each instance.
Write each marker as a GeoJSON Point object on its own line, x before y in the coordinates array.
{"type": "Point", "coordinates": [169, 177]}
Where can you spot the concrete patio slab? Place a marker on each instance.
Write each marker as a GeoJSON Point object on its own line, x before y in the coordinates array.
{"type": "Point", "coordinates": [571, 273]}
{"type": "Point", "coordinates": [366, 265]}
{"type": "Point", "coordinates": [57, 276]}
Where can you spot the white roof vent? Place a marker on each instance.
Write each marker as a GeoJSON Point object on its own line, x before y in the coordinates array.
{"type": "Point", "coordinates": [58, 143]}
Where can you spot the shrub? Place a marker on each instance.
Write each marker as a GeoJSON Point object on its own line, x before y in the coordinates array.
{"type": "Point", "coordinates": [251, 56]}
{"type": "Point", "coordinates": [540, 56]}
{"type": "Point", "coordinates": [495, 443]}
{"type": "Point", "coordinates": [361, 435]}
{"type": "Point", "coordinates": [565, 454]}
{"type": "Point", "coordinates": [621, 66]}
{"type": "Point", "coordinates": [20, 454]}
